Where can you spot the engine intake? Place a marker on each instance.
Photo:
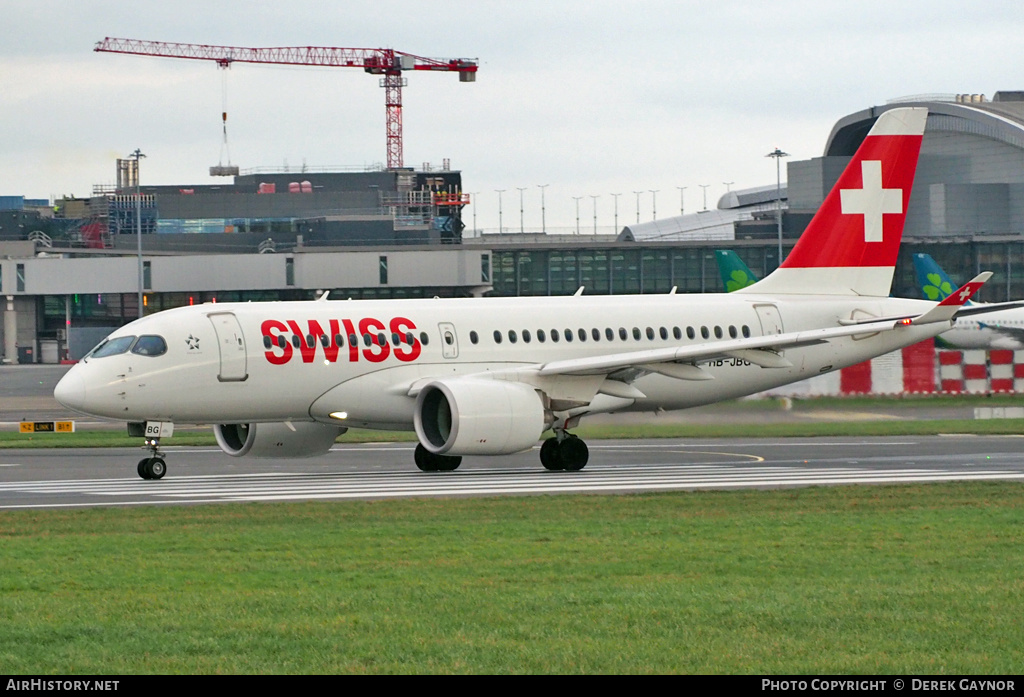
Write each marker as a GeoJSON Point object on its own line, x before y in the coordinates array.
{"type": "Point", "coordinates": [478, 417]}
{"type": "Point", "coordinates": [302, 439]}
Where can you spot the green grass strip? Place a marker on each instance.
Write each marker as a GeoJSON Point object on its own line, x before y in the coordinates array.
{"type": "Point", "coordinates": [914, 579]}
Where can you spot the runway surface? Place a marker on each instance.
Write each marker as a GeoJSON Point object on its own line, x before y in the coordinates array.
{"type": "Point", "coordinates": [106, 477]}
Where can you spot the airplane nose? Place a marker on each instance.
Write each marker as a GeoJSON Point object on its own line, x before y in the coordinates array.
{"type": "Point", "coordinates": [70, 391]}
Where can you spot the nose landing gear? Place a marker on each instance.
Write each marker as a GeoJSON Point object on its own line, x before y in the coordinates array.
{"type": "Point", "coordinates": [153, 467]}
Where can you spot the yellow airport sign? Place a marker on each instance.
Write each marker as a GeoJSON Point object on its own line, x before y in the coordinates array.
{"type": "Point", "coordinates": [47, 427]}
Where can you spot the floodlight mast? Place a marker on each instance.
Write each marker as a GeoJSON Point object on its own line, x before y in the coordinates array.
{"type": "Point", "coordinates": [377, 61]}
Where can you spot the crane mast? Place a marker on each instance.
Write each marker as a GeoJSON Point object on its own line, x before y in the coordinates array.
{"type": "Point", "coordinates": [386, 62]}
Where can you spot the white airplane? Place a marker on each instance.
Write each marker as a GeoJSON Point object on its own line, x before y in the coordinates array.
{"type": "Point", "coordinates": [488, 376]}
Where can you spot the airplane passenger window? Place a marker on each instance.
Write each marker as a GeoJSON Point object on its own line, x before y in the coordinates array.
{"type": "Point", "coordinates": [732, 332]}
{"type": "Point", "coordinates": [677, 332]}
{"type": "Point", "coordinates": [325, 340]}
{"type": "Point", "coordinates": [568, 335]}
{"type": "Point", "coordinates": [690, 334]}
{"type": "Point", "coordinates": [554, 335]}
{"type": "Point", "coordinates": [424, 339]}
{"type": "Point", "coordinates": [449, 338]}
{"type": "Point", "coordinates": [396, 338]}
{"type": "Point", "coordinates": [339, 339]}
{"type": "Point", "coordinates": [310, 341]}
{"type": "Point", "coordinates": [150, 345]}
{"type": "Point", "coordinates": [409, 339]}
{"type": "Point", "coordinates": [582, 333]}
{"type": "Point", "coordinates": [609, 334]}
{"type": "Point", "coordinates": [636, 333]}
{"type": "Point", "coordinates": [112, 347]}
{"type": "Point", "coordinates": [353, 340]}
{"type": "Point", "coordinates": [296, 341]}
{"type": "Point", "coordinates": [663, 332]}
{"type": "Point", "coordinates": [622, 333]}
{"type": "Point", "coordinates": [650, 333]}
{"type": "Point", "coordinates": [366, 339]}
{"type": "Point", "coordinates": [526, 336]}
{"type": "Point", "coordinates": [473, 337]}
{"type": "Point", "coordinates": [512, 336]}
{"type": "Point", "coordinates": [541, 337]}
{"type": "Point", "coordinates": [281, 341]}
{"type": "Point", "coordinates": [596, 334]}
{"type": "Point", "coordinates": [718, 332]}
{"type": "Point", "coordinates": [497, 336]}
{"type": "Point", "coordinates": [705, 333]}
{"type": "Point", "coordinates": [381, 339]}
{"type": "Point", "coordinates": [746, 332]}
{"type": "Point", "coordinates": [267, 343]}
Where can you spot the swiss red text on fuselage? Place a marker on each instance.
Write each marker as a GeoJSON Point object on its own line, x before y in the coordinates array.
{"type": "Point", "coordinates": [348, 340]}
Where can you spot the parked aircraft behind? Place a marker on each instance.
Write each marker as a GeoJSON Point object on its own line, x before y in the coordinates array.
{"type": "Point", "coordinates": [488, 376]}
{"type": "Point", "coordinates": [1000, 329]}
{"type": "Point", "coordinates": [735, 274]}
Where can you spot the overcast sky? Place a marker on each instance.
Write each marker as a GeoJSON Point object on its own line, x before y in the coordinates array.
{"type": "Point", "coordinates": [589, 97]}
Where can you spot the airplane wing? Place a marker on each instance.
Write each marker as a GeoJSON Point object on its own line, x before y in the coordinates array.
{"type": "Point", "coordinates": [981, 309]}
{"type": "Point", "coordinates": [761, 350]}
{"type": "Point", "coordinates": [1015, 333]}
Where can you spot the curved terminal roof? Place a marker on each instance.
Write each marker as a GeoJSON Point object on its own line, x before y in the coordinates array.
{"type": "Point", "coordinates": [1001, 119]}
{"type": "Point", "coordinates": [718, 223]}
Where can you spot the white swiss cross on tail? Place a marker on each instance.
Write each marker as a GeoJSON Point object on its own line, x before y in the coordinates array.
{"type": "Point", "coordinates": [871, 201]}
{"type": "Point", "coordinates": [851, 244]}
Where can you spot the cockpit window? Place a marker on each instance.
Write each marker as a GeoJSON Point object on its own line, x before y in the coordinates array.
{"type": "Point", "coordinates": [150, 345]}
{"type": "Point", "coordinates": [112, 347]}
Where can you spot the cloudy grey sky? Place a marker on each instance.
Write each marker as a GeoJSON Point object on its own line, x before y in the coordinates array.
{"type": "Point", "coordinates": [590, 97]}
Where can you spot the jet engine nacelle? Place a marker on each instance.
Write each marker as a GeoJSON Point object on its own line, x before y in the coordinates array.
{"type": "Point", "coordinates": [276, 439]}
{"type": "Point", "coordinates": [467, 416]}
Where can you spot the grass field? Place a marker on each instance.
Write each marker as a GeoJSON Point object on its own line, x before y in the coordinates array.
{"type": "Point", "coordinates": [915, 579]}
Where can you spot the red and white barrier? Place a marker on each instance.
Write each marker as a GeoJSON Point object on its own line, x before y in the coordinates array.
{"type": "Point", "coordinates": [920, 369]}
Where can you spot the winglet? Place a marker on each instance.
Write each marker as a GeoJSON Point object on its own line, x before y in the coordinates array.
{"type": "Point", "coordinates": [946, 310]}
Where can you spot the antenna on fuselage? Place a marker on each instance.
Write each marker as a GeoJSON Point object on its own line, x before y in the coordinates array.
{"type": "Point", "coordinates": [579, 291]}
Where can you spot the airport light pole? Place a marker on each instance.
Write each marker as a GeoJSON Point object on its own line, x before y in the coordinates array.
{"type": "Point", "coordinates": [594, 198]}
{"type": "Point", "coordinates": [138, 219]}
{"type": "Point", "coordinates": [577, 199]}
{"type": "Point", "coordinates": [778, 155]}
{"type": "Point", "coordinates": [472, 202]}
{"type": "Point", "coordinates": [543, 221]}
{"type": "Point", "coordinates": [681, 190]}
{"type": "Point", "coordinates": [638, 205]}
{"type": "Point", "coordinates": [654, 203]}
{"type": "Point", "coordinates": [616, 198]}
{"type": "Point", "coordinates": [521, 190]}
{"type": "Point", "coordinates": [705, 188]}
{"type": "Point", "coordinates": [728, 185]}
{"type": "Point", "coordinates": [499, 192]}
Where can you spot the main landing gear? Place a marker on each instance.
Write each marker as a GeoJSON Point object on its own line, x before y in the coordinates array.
{"type": "Point", "coordinates": [154, 466]}
{"type": "Point", "coordinates": [429, 462]}
{"type": "Point", "coordinates": [564, 451]}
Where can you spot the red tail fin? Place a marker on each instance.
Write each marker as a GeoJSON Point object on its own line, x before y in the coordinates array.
{"type": "Point", "coordinates": [851, 245]}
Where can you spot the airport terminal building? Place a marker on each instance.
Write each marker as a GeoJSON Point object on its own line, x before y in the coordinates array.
{"type": "Point", "coordinates": [70, 272]}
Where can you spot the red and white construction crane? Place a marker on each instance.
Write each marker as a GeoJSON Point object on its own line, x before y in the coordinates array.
{"type": "Point", "coordinates": [377, 61]}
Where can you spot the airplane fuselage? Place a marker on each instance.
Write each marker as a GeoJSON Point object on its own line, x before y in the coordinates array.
{"type": "Point", "coordinates": [358, 363]}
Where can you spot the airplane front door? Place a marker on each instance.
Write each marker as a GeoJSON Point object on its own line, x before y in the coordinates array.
{"type": "Point", "coordinates": [231, 345]}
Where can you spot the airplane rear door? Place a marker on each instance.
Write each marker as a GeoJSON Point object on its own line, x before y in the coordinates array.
{"type": "Point", "coordinates": [449, 340]}
{"type": "Point", "coordinates": [771, 320]}
{"type": "Point", "coordinates": [231, 345]}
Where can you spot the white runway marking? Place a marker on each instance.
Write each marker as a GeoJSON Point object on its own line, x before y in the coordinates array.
{"type": "Point", "coordinates": [474, 482]}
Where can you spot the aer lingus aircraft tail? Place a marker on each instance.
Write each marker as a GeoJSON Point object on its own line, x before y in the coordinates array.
{"type": "Point", "coordinates": [735, 274]}
{"type": "Point", "coordinates": [934, 283]}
